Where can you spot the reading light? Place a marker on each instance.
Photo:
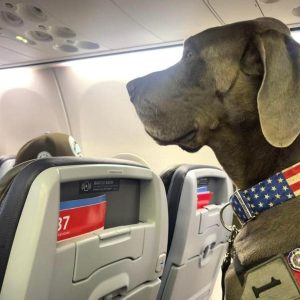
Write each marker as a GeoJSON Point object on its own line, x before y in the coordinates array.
{"type": "Point", "coordinates": [21, 39]}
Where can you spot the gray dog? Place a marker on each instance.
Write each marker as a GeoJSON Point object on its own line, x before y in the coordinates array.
{"type": "Point", "coordinates": [236, 89]}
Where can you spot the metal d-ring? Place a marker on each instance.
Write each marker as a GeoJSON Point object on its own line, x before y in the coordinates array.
{"type": "Point", "coordinates": [228, 228]}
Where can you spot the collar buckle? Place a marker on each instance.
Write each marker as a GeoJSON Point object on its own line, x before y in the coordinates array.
{"type": "Point", "coordinates": [248, 212]}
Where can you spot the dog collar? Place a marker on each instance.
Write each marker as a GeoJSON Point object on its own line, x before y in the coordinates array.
{"type": "Point", "coordinates": [277, 189]}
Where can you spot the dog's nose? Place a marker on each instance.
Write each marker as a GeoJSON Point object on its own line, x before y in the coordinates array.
{"type": "Point", "coordinates": [131, 89]}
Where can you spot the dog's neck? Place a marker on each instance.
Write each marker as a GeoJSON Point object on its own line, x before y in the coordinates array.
{"type": "Point", "coordinates": [248, 158]}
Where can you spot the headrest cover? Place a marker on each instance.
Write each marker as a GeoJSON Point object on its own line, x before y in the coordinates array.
{"type": "Point", "coordinates": [167, 176]}
{"type": "Point", "coordinates": [48, 145]}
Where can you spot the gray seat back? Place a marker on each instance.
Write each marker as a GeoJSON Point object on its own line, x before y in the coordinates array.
{"type": "Point", "coordinates": [84, 229]}
{"type": "Point", "coordinates": [197, 240]}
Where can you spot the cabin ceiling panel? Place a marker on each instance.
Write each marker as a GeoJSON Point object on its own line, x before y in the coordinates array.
{"type": "Point", "coordinates": [26, 51]}
{"type": "Point", "coordinates": [68, 28]}
{"type": "Point", "coordinates": [170, 20]}
{"type": "Point", "coordinates": [7, 56]}
{"type": "Point", "coordinates": [235, 10]}
{"type": "Point", "coordinates": [288, 11]}
{"type": "Point", "coordinates": [100, 21]}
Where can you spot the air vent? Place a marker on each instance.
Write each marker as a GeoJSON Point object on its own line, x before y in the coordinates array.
{"type": "Point", "coordinates": [43, 27]}
{"type": "Point", "coordinates": [88, 45]}
{"type": "Point", "coordinates": [66, 48]}
{"type": "Point", "coordinates": [41, 36]}
{"type": "Point", "coordinates": [63, 32]}
{"type": "Point", "coordinates": [11, 19]}
{"type": "Point", "coordinates": [9, 5]}
{"type": "Point", "coordinates": [32, 13]}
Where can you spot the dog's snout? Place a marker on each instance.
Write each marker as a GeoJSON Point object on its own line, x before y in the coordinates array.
{"type": "Point", "coordinates": [131, 88]}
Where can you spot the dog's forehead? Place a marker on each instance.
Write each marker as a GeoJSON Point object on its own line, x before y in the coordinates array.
{"type": "Point", "coordinates": [216, 35]}
{"type": "Point", "coordinates": [234, 31]}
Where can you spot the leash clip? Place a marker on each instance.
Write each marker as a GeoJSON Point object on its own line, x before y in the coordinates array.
{"type": "Point", "coordinates": [230, 253]}
{"type": "Point", "coordinates": [233, 233]}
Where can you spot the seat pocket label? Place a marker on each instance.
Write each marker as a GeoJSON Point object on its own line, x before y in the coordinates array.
{"type": "Point", "coordinates": [81, 216]}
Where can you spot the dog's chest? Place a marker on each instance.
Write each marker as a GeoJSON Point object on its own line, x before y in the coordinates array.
{"type": "Point", "coordinates": [276, 231]}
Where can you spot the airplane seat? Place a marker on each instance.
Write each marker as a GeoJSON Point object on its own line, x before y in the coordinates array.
{"type": "Point", "coordinates": [82, 229]}
{"type": "Point", "coordinates": [6, 163]}
{"type": "Point", "coordinates": [197, 240]}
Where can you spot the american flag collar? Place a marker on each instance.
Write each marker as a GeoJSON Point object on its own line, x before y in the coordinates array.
{"type": "Point", "coordinates": [277, 189]}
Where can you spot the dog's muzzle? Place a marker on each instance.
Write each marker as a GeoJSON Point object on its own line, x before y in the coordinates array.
{"type": "Point", "coordinates": [131, 89]}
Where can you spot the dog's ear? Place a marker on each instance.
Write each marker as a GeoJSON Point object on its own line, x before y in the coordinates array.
{"type": "Point", "coordinates": [278, 98]}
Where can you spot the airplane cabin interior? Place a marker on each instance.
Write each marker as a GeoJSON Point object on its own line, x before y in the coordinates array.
{"type": "Point", "coordinates": [91, 207]}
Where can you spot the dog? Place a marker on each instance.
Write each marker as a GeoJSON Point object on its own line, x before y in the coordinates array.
{"type": "Point", "coordinates": [237, 90]}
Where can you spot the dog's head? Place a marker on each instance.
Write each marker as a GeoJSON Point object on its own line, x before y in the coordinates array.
{"type": "Point", "coordinates": [242, 74]}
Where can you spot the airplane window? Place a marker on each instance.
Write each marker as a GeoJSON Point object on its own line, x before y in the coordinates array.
{"type": "Point", "coordinates": [126, 66]}
{"type": "Point", "coordinates": [10, 78]}
{"type": "Point", "coordinates": [296, 34]}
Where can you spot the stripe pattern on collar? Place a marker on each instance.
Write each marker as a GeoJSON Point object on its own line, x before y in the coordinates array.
{"type": "Point", "coordinates": [268, 193]}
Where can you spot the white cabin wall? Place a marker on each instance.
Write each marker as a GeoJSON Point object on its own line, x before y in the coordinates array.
{"type": "Point", "coordinates": [104, 121]}
{"type": "Point", "coordinates": [30, 105]}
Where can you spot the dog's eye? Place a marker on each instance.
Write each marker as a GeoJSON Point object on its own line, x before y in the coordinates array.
{"type": "Point", "coordinates": [188, 55]}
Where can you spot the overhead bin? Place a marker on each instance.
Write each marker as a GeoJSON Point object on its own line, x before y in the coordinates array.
{"type": "Point", "coordinates": [42, 31]}
{"type": "Point", "coordinates": [83, 229]}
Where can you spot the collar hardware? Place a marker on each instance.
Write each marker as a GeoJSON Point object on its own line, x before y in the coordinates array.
{"type": "Point", "coordinates": [245, 208]}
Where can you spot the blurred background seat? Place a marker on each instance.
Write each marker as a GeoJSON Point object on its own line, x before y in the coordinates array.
{"type": "Point", "coordinates": [197, 240]}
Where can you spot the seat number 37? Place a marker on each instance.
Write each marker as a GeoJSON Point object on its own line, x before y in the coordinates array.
{"type": "Point", "coordinates": [63, 223]}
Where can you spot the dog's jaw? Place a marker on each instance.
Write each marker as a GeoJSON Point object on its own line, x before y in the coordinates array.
{"type": "Point", "coordinates": [187, 141]}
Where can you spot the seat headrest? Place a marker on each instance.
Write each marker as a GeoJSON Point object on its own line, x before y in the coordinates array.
{"type": "Point", "coordinates": [167, 176]}
{"type": "Point", "coordinates": [48, 145]}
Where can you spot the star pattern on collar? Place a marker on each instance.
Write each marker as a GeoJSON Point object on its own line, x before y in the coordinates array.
{"type": "Point", "coordinates": [268, 193]}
